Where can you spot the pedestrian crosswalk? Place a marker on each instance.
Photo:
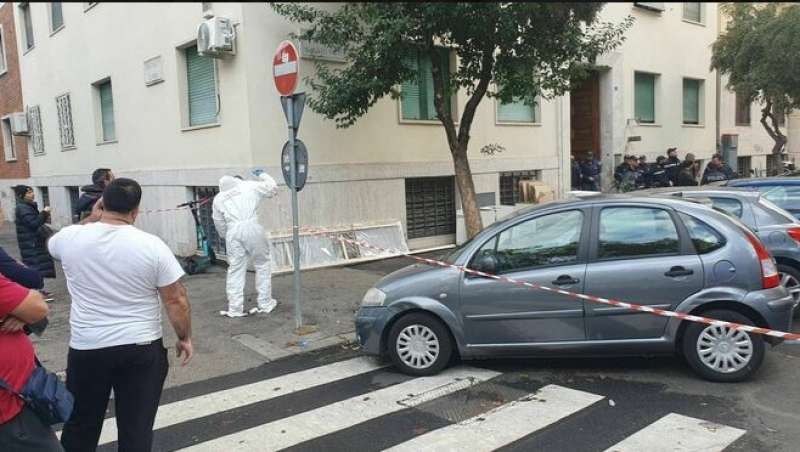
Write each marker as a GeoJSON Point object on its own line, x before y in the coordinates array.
{"type": "Point", "coordinates": [360, 404]}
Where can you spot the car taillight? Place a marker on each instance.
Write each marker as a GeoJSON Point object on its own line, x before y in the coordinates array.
{"type": "Point", "coordinates": [769, 271]}
{"type": "Point", "coordinates": [794, 233]}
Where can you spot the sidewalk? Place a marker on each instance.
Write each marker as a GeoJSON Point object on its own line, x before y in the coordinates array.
{"type": "Point", "coordinates": [222, 345]}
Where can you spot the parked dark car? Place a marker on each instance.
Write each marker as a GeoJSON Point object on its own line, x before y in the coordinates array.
{"type": "Point", "coordinates": [661, 252]}
{"type": "Point", "coordinates": [784, 192]}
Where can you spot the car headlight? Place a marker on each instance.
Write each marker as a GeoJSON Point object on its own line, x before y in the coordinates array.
{"type": "Point", "coordinates": [373, 297]}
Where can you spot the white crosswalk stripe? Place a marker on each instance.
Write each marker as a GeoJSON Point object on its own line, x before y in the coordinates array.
{"type": "Point", "coordinates": [677, 433]}
{"type": "Point", "coordinates": [217, 402]}
{"type": "Point", "coordinates": [331, 418]}
{"type": "Point", "coordinates": [505, 424]}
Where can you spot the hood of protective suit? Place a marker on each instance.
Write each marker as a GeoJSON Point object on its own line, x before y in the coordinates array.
{"type": "Point", "coordinates": [227, 182]}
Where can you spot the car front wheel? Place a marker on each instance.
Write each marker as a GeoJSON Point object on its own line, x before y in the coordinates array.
{"type": "Point", "coordinates": [720, 353]}
{"type": "Point", "coordinates": [419, 344]}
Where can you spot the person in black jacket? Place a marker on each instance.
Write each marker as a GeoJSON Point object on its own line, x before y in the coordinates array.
{"type": "Point", "coordinates": [672, 165]}
{"type": "Point", "coordinates": [687, 176]}
{"type": "Point", "coordinates": [32, 232]}
{"type": "Point", "coordinates": [101, 177]}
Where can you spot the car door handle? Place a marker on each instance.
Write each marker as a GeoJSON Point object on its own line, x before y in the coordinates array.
{"type": "Point", "coordinates": [565, 280]}
{"type": "Point", "coordinates": [675, 272]}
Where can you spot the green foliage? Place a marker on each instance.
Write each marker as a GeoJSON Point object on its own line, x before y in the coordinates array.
{"type": "Point", "coordinates": [527, 49]}
{"type": "Point", "coordinates": [760, 53]}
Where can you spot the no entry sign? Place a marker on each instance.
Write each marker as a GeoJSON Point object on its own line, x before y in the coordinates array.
{"type": "Point", "coordinates": [286, 68]}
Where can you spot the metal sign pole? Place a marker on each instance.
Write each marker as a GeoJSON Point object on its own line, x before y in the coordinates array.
{"type": "Point", "coordinates": [298, 313]}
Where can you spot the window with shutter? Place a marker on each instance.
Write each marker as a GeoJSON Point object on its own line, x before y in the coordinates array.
{"type": "Point", "coordinates": [693, 12]}
{"type": "Point", "coordinates": [691, 101]}
{"type": "Point", "coordinates": [430, 206]}
{"type": "Point", "coordinates": [8, 140]}
{"type": "Point", "coordinates": [64, 108]}
{"type": "Point", "coordinates": [27, 25]}
{"type": "Point", "coordinates": [56, 16]}
{"type": "Point", "coordinates": [202, 88]}
{"type": "Point", "coordinates": [742, 110]}
{"type": "Point", "coordinates": [35, 124]}
{"type": "Point", "coordinates": [517, 111]}
{"type": "Point", "coordinates": [416, 98]}
{"type": "Point", "coordinates": [107, 111]}
{"type": "Point", "coordinates": [645, 97]}
{"type": "Point", "coordinates": [3, 65]}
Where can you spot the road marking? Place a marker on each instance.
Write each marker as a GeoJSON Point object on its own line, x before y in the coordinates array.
{"type": "Point", "coordinates": [216, 402]}
{"type": "Point", "coordinates": [505, 424]}
{"type": "Point", "coordinates": [676, 433]}
{"type": "Point", "coordinates": [337, 416]}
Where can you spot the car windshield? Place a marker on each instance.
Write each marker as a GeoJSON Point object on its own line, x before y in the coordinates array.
{"type": "Point", "coordinates": [452, 256]}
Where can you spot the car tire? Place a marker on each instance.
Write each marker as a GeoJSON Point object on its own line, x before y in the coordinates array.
{"type": "Point", "coordinates": [701, 349]}
{"type": "Point", "coordinates": [791, 272]}
{"type": "Point", "coordinates": [419, 344]}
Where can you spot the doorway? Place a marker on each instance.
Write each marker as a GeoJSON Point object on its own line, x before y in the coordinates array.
{"type": "Point", "coordinates": [585, 117]}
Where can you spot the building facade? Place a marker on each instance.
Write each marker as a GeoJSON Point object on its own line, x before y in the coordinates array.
{"type": "Point", "coordinates": [122, 86]}
{"type": "Point", "coordinates": [14, 161]}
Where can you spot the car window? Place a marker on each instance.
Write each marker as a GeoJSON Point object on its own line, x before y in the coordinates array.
{"type": "Point", "coordinates": [635, 232]}
{"type": "Point", "coordinates": [547, 240]}
{"type": "Point", "coordinates": [730, 205]}
{"type": "Point", "coordinates": [784, 196]}
{"type": "Point", "coordinates": [768, 214]}
{"type": "Point", "coordinates": [704, 238]}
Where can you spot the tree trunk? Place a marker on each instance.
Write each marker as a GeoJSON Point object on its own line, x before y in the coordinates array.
{"type": "Point", "coordinates": [466, 189]}
{"type": "Point", "coordinates": [774, 131]}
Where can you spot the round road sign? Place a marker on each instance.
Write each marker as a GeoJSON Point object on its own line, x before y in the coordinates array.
{"type": "Point", "coordinates": [286, 68]}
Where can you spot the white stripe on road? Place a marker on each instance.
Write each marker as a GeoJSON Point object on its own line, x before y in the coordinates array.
{"type": "Point", "coordinates": [331, 418]}
{"type": "Point", "coordinates": [676, 433]}
{"type": "Point", "coordinates": [216, 402]}
{"type": "Point", "coordinates": [504, 424]}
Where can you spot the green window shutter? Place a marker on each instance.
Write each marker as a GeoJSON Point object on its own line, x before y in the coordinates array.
{"type": "Point", "coordinates": [645, 98]}
{"type": "Point", "coordinates": [410, 93]}
{"type": "Point", "coordinates": [202, 87]}
{"type": "Point", "coordinates": [691, 101]}
{"type": "Point", "coordinates": [107, 112]}
{"type": "Point", "coordinates": [417, 99]}
{"type": "Point", "coordinates": [516, 111]}
{"type": "Point", "coordinates": [56, 16]}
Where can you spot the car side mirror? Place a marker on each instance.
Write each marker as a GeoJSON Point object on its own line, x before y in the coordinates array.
{"type": "Point", "coordinates": [486, 263]}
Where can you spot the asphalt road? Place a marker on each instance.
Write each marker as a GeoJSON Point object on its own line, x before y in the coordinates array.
{"type": "Point", "coordinates": [336, 400]}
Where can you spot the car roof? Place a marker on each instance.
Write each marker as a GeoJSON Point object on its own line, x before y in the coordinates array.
{"type": "Point", "coordinates": [765, 181]}
{"type": "Point", "coordinates": [737, 192]}
{"type": "Point", "coordinates": [603, 198]}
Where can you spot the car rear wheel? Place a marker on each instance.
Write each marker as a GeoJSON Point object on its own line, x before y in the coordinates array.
{"type": "Point", "coordinates": [720, 353]}
{"type": "Point", "coordinates": [790, 279]}
{"type": "Point", "coordinates": [419, 344]}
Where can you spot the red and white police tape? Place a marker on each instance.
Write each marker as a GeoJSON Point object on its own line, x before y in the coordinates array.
{"type": "Point", "coordinates": [635, 307]}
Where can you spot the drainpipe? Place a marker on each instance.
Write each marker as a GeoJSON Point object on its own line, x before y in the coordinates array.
{"type": "Point", "coordinates": [560, 145]}
{"type": "Point", "coordinates": [718, 90]}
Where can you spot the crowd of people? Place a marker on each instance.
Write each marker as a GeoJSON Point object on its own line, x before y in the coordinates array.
{"type": "Point", "coordinates": [118, 278]}
{"type": "Point", "coordinates": [636, 173]}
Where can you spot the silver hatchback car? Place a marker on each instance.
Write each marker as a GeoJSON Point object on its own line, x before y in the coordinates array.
{"type": "Point", "coordinates": [660, 252]}
{"type": "Point", "coordinates": [778, 229]}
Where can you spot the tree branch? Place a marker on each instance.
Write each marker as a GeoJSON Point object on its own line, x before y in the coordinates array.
{"type": "Point", "coordinates": [487, 64]}
{"type": "Point", "coordinates": [773, 131]}
{"type": "Point", "coordinates": [438, 95]}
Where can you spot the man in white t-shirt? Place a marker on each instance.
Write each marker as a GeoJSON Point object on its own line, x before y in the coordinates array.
{"type": "Point", "coordinates": [118, 276]}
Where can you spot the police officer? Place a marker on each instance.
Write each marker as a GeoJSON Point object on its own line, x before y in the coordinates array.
{"type": "Point", "coordinates": [590, 172]}
{"type": "Point", "coordinates": [657, 175]}
{"type": "Point", "coordinates": [672, 165]}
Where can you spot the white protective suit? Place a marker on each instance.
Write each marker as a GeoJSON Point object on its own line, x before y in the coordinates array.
{"type": "Point", "coordinates": [235, 218]}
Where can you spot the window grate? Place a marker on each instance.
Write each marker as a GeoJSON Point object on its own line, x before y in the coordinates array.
{"type": "Point", "coordinates": [430, 206]}
{"type": "Point", "coordinates": [509, 185]}
{"type": "Point", "coordinates": [205, 213]}
{"type": "Point", "coordinates": [65, 121]}
{"type": "Point", "coordinates": [35, 124]}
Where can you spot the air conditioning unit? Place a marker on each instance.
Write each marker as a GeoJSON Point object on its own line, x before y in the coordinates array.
{"type": "Point", "coordinates": [215, 37]}
{"type": "Point", "coordinates": [19, 124]}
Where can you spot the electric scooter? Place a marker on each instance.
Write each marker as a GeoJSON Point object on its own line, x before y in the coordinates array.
{"type": "Point", "coordinates": [199, 263]}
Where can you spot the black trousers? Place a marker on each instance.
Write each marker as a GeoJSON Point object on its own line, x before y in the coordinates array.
{"type": "Point", "coordinates": [27, 433]}
{"type": "Point", "coordinates": [136, 373]}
